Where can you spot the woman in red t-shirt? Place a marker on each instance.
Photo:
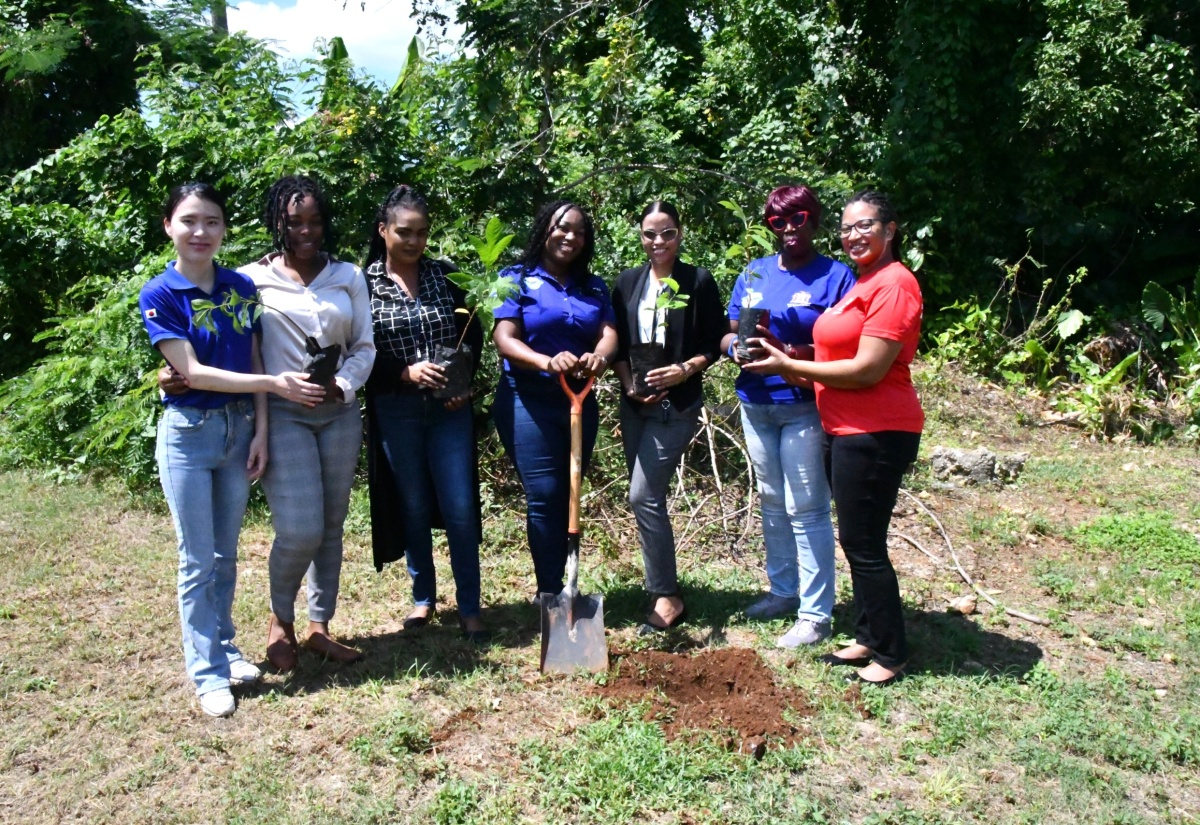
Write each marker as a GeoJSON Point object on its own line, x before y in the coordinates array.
{"type": "Point", "coordinates": [872, 420]}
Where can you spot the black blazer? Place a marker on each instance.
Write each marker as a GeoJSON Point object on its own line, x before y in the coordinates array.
{"type": "Point", "coordinates": [387, 516]}
{"type": "Point", "coordinates": [695, 329]}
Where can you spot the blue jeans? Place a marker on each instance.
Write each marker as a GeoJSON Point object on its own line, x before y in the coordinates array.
{"type": "Point", "coordinates": [786, 446]}
{"type": "Point", "coordinates": [431, 453]}
{"type": "Point", "coordinates": [533, 420]}
{"type": "Point", "coordinates": [313, 456]}
{"type": "Point", "coordinates": [201, 458]}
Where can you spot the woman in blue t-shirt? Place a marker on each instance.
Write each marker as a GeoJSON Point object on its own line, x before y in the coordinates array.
{"type": "Point", "coordinates": [782, 427]}
{"type": "Point", "coordinates": [212, 437]}
{"type": "Point", "coordinates": [559, 322]}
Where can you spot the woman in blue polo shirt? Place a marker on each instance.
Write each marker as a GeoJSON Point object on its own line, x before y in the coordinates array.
{"type": "Point", "coordinates": [782, 427]}
{"type": "Point", "coordinates": [212, 437]}
{"type": "Point", "coordinates": [559, 322]}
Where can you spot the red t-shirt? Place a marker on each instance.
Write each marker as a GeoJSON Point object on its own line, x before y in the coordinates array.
{"type": "Point", "coordinates": [884, 305]}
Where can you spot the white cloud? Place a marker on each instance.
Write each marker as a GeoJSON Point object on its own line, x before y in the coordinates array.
{"type": "Point", "coordinates": [377, 37]}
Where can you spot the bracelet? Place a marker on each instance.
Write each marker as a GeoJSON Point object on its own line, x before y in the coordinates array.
{"type": "Point", "coordinates": [732, 344]}
{"type": "Point", "coordinates": [686, 366]}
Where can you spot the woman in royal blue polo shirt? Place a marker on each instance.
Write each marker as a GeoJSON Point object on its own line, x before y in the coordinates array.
{"type": "Point", "coordinates": [559, 322]}
{"type": "Point", "coordinates": [782, 427]}
{"type": "Point", "coordinates": [212, 437]}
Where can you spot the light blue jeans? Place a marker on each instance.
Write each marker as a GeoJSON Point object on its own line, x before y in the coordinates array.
{"type": "Point", "coordinates": [313, 456]}
{"type": "Point", "coordinates": [202, 466]}
{"type": "Point", "coordinates": [786, 445]}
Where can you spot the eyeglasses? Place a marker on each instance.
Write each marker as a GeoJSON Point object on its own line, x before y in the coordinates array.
{"type": "Point", "coordinates": [667, 235]}
{"type": "Point", "coordinates": [793, 221]}
{"type": "Point", "coordinates": [861, 227]}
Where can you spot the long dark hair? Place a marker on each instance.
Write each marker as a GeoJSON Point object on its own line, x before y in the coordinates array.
{"type": "Point", "coordinates": [282, 194]}
{"type": "Point", "coordinates": [402, 197]}
{"type": "Point", "coordinates": [665, 207]}
{"type": "Point", "coordinates": [203, 191]}
{"type": "Point", "coordinates": [536, 247]}
{"type": "Point", "coordinates": [885, 211]}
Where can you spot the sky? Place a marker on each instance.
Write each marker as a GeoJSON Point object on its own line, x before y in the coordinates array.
{"type": "Point", "coordinates": [377, 37]}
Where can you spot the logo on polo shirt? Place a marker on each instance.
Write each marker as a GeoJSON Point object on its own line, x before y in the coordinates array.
{"type": "Point", "coordinates": [801, 299]}
{"type": "Point", "coordinates": [533, 282]}
{"type": "Point", "coordinates": [151, 314]}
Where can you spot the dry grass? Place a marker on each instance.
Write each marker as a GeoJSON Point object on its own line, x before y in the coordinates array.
{"type": "Point", "coordinates": [101, 725]}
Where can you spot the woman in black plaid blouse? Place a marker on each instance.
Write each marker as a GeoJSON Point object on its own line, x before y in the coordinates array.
{"type": "Point", "coordinates": [423, 470]}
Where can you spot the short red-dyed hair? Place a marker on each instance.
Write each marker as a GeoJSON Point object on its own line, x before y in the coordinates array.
{"type": "Point", "coordinates": [785, 200]}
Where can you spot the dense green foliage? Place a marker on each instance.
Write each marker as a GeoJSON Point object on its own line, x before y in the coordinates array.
{"type": "Point", "coordinates": [1044, 155]}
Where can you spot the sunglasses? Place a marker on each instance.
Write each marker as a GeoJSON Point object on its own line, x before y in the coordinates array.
{"type": "Point", "coordinates": [792, 221]}
{"type": "Point", "coordinates": [667, 235]}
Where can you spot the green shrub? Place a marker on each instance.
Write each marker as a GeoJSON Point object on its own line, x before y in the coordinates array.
{"type": "Point", "coordinates": [1149, 539]}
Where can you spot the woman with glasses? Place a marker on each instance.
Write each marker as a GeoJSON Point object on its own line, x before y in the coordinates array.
{"type": "Point", "coordinates": [558, 322]}
{"type": "Point", "coordinates": [672, 311]}
{"type": "Point", "coordinates": [783, 430]}
{"type": "Point", "coordinates": [873, 418]}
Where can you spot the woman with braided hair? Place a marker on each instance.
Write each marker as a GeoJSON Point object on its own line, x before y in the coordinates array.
{"type": "Point", "coordinates": [421, 447]}
{"type": "Point", "coordinates": [306, 292]}
{"type": "Point", "coordinates": [560, 321]}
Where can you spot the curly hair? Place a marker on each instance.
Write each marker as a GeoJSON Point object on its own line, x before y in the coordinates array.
{"type": "Point", "coordinates": [547, 218]}
{"type": "Point", "coordinates": [282, 194]}
{"type": "Point", "coordinates": [885, 211]}
{"type": "Point", "coordinates": [402, 197]}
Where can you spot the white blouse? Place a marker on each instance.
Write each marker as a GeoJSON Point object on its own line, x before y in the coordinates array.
{"type": "Point", "coordinates": [335, 309]}
{"type": "Point", "coordinates": [646, 306]}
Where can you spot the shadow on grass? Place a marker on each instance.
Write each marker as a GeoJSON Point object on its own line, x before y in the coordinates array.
{"type": "Point", "coordinates": [941, 643]}
{"type": "Point", "coordinates": [944, 644]}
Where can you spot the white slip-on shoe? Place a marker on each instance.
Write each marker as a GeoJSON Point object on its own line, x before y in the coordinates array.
{"type": "Point", "coordinates": [804, 632]}
{"type": "Point", "coordinates": [218, 702]}
{"type": "Point", "coordinates": [242, 672]}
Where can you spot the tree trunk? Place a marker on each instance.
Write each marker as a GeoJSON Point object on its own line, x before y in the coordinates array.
{"type": "Point", "coordinates": [220, 21]}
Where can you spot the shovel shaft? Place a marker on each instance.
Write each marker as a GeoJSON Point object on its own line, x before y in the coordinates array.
{"type": "Point", "coordinates": [576, 453]}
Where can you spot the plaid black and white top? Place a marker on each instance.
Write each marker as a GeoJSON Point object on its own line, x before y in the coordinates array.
{"type": "Point", "coordinates": [407, 329]}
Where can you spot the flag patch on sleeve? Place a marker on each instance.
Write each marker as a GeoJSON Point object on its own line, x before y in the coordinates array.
{"type": "Point", "coordinates": [151, 314]}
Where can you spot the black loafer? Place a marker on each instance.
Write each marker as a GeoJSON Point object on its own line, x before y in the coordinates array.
{"type": "Point", "coordinates": [648, 629]}
{"type": "Point", "coordinates": [837, 661]}
{"type": "Point", "coordinates": [414, 622]}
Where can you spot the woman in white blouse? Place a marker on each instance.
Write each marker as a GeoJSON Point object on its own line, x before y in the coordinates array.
{"type": "Point", "coordinates": [314, 450]}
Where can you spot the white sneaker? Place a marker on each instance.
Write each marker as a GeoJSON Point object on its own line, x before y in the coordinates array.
{"type": "Point", "coordinates": [804, 632]}
{"type": "Point", "coordinates": [242, 672]}
{"type": "Point", "coordinates": [218, 702]}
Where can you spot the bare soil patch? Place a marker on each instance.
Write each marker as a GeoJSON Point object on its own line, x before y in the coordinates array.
{"type": "Point", "coordinates": [724, 690]}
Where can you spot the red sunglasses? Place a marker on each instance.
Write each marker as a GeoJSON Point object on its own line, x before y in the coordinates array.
{"type": "Point", "coordinates": [793, 221]}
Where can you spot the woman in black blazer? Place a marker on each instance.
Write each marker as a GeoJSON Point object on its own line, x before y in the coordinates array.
{"type": "Point", "coordinates": [670, 314]}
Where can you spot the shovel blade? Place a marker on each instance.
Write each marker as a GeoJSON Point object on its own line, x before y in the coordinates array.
{"type": "Point", "coordinates": [573, 635]}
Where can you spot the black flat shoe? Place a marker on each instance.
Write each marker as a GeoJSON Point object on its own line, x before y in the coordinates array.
{"type": "Point", "coordinates": [854, 678]}
{"type": "Point", "coordinates": [414, 622]}
{"type": "Point", "coordinates": [648, 629]}
{"type": "Point", "coordinates": [837, 661]}
{"type": "Point", "coordinates": [475, 637]}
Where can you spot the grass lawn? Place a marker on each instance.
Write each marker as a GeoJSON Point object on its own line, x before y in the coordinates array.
{"type": "Point", "coordinates": [1093, 717]}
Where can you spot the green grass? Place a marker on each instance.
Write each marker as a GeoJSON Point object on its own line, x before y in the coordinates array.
{"type": "Point", "coordinates": [1095, 718]}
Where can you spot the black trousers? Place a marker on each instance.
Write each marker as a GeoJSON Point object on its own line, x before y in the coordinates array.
{"type": "Point", "coordinates": [864, 475]}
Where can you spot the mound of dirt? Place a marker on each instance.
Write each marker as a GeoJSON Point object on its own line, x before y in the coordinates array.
{"type": "Point", "coordinates": [725, 690]}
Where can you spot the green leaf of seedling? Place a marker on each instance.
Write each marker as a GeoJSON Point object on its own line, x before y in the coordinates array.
{"type": "Point", "coordinates": [735, 209]}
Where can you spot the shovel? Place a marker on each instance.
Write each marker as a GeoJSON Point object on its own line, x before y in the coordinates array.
{"type": "Point", "coordinates": [573, 624]}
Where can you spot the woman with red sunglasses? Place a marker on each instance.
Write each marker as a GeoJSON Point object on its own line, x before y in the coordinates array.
{"type": "Point", "coordinates": [783, 430]}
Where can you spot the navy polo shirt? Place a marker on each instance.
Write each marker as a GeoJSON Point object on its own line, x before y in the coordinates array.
{"type": "Point", "coordinates": [166, 307]}
{"type": "Point", "coordinates": [556, 318]}
{"type": "Point", "coordinates": [796, 298]}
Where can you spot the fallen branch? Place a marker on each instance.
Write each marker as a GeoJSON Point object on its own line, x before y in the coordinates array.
{"type": "Point", "coordinates": [966, 577]}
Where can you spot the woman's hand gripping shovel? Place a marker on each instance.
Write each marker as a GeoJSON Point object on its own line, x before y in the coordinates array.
{"type": "Point", "coordinates": [573, 624]}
